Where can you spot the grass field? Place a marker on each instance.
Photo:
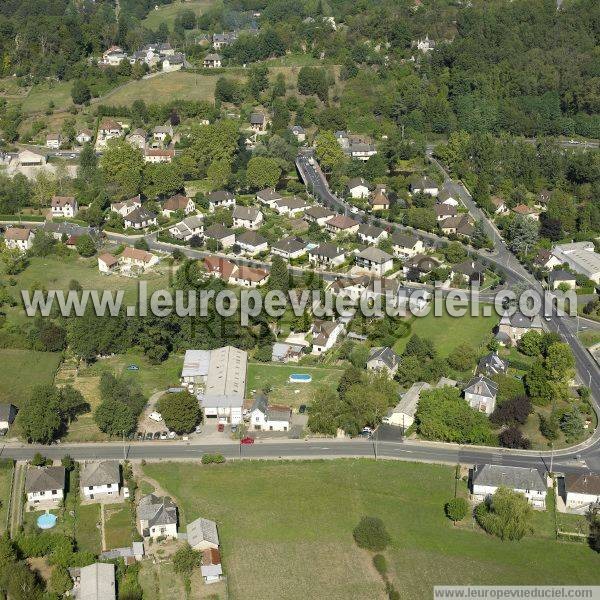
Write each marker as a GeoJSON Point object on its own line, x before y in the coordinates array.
{"type": "Point", "coordinates": [22, 370]}
{"type": "Point", "coordinates": [277, 378]}
{"type": "Point", "coordinates": [447, 332]}
{"type": "Point", "coordinates": [286, 530]}
{"type": "Point", "coordinates": [168, 86]}
{"type": "Point", "coordinates": [168, 13]}
{"type": "Point", "coordinates": [84, 428]}
{"type": "Point", "coordinates": [6, 470]}
{"type": "Point", "coordinates": [117, 525]}
{"type": "Point", "coordinates": [40, 95]}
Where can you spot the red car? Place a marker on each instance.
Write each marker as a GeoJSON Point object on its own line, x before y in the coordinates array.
{"type": "Point", "coordinates": [220, 427]}
{"type": "Point", "coordinates": [247, 440]}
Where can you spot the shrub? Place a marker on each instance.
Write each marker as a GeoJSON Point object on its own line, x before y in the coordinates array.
{"type": "Point", "coordinates": [371, 534]}
{"type": "Point", "coordinates": [507, 515]}
{"type": "Point", "coordinates": [380, 564]}
{"type": "Point", "coordinates": [208, 459]}
{"type": "Point", "coordinates": [456, 509]}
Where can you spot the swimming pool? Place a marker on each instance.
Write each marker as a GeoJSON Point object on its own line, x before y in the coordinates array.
{"type": "Point", "coordinates": [300, 378]}
{"type": "Point", "coordinates": [46, 521]}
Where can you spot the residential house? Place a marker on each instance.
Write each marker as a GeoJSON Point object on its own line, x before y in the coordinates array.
{"type": "Point", "coordinates": [158, 155]}
{"type": "Point", "coordinates": [327, 255]}
{"type": "Point", "coordinates": [19, 238]}
{"type": "Point", "coordinates": [425, 185]}
{"type": "Point", "coordinates": [133, 258]}
{"type": "Point", "coordinates": [286, 352]}
{"type": "Point", "coordinates": [470, 271]}
{"type": "Point", "coordinates": [418, 265]}
{"type": "Point", "coordinates": [582, 490]}
{"type": "Point", "coordinates": [561, 277]}
{"type": "Point", "coordinates": [202, 535]}
{"type": "Point", "coordinates": [211, 568]}
{"type": "Point", "coordinates": [443, 211]}
{"type": "Point", "coordinates": [406, 245]}
{"type": "Point", "coordinates": [223, 235]}
{"type": "Point", "coordinates": [486, 479]}
{"type": "Point", "coordinates": [544, 258]}
{"type": "Point", "coordinates": [375, 261]}
{"type": "Point", "coordinates": [403, 414]}
{"type": "Point", "coordinates": [526, 211]}
{"type": "Point", "coordinates": [361, 150]}
{"type": "Point", "coordinates": [512, 327]}
{"type": "Point", "coordinates": [480, 393]}
{"type": "Point", "coordinates": [31, 158]}
{"type": "Point", "coordinates": [53, 140]}
{"type": "Point", "coordinates": [126, 207]}
{"type": "Point", "coordinates": [269, 417]}
{"type": "Point", "coordinates": [325, 335]}
{"type": "Point", "coordinates": [247, 217]}
{"type": "Point", "coordinates": [358, 188]}
{"type": "Point", "coordinates": [383, 358]}
{"type": "Point", "coordinates": [212, 61]}
{"type": "Point", "coordinates": [414, 298]}
{"type": "Point", "coordinates": [581, 257]}
{"type": "Point", "coordinates": [462, 225]}
{"type": "Point", "coordinates": [251, 243]}
{"type": "Point", "coordinates": [107, 263]}
{"type": "Point", "coordinates": [8, 412]}
{"type": "Point", "coordinates": [269, 197]}
{"type": "Point", "coordinates": [299, 133]}
{"type": "Point", "coordinates": [289, 247]}
{"type": "Point", "coordinates": [220, 199]}
{"type": "Point", "coordinates": [94, 582]}
{"type": "Point", "coordinates": [188, 228]}
{"type": "Point", "coordinates": [219, 40]}
{"type": "Point", "coordinates": [379, 199]}
{"type": "Point", "coordinates": [161, 133]}
{"type": "Point", "coordinates": [84, 136]}
{"type": "Point", "coordinates": [175, 62]}
{"type": "Point", "coordinates": [447, 197]}
{"type": "Point", "coordinates": [499, 205]}
{"type": "Point", "coordinates": [113, 56]}
{"type": "Point", "coordinates": [157, 517]}
{"type": "Point", "coordinates": [137, 138]}
{"type": "Point", "coordinates": [491, 364]}
{"type": "Point", "coordinates": [318, 214]}
{"type": "Point", "coordinates": [64, 206]}
{"type": "Point", "coordinates": [258, 122]}
{"type": "Point", "coordinates": [543, 198]}
{"type": "Point", "coordinates": [249, 277]}
{"type": "Point", "coordinates": [370, 234]}
{"type": "Point", "coordinates": [139, 218]}
{"type": "Point", "coordinates": [425, 45]}
{"type": "Point", "coordinates": [290, 206]}
{"type": "Point", "coordinates": [220, 267]}
{"type": "Point", "coordinates": [176, 203]}
{"type": "Point", "coordinates": [100, 479]}
{"type": "Point", "coordinates": [44, 485]}
{"type": "Point", "coordinates": [109, 129]}
{"type": "Point", "coordinates": [340, 224]}
{"type": "Point", "coordinates": [130, 554]}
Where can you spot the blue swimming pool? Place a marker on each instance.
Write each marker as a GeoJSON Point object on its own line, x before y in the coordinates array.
{"type": "Point", "coordinates": [46, 521]}
{"type": "Point", "coordinates": [300, 378]}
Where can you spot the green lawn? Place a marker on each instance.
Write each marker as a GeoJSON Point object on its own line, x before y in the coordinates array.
{"type": "Point", "coordinates": [22, 370]}
{"type": "Point", "coordinates": [117, 523]}
{"type": "Point", "coordinates": [447, 332]}
{"type": "Point", "coordinates": [6, 471]}
{"type": "Point", "coordinates": [41, 94]}
{"type": "Point", "coordinates": [168, 13]}
{"type": "Point", "coordinates": [286, 530]}
{"type": "Point", "coordinates": [282, 392]}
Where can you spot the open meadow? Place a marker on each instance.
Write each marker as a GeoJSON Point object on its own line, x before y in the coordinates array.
{"type": "Point", "coordinates": [168, 12]}
{"type": "Point", "coordinates": [286, 530]}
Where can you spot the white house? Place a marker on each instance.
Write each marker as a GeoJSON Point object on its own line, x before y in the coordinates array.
{"type": "Point", "coordinates": [299, 133]}
{"type": "Point", "coordinates": [188, 228]}
{"type": "Point", "coordinates": [375, 261]}
{"type": "Point", "coordinates": [269, 417]}
{"type": "Point", "coordinates": [251, 243]}
{"type": "Point", "coordinates": [127, 206]}
{"type": "Point", "coordinates": [581, 490]}
{"type": "Point", "coordinates": [425, 185]}
{"type": "Point", "coordinates": [64, 206]}
{"type": "Point", "coordinates": [109, 129]}
{"type": "Point", "coordinates": [178, 202]}
{"type": "Point", "coordinates": [325, 335]}
{"type": "Point", "coordinates": [8, 412]}
{"type": "Point", "coordinates": [403, 414]}
{"type": "Point", "coordinates": [486, 479]}
{"type": "Point", "coordinates": [84, 136]}
{"type": "Point", "coordinates": [481, 394]}
{"type": "Point", "coordinates": [318, 214]}
{"type": "Point", "coordinates": [157, 517]}
{"type": "Point", "coordinates": [158, 155]}
{"type": "Point", "coordinates": [19, 238]}
{"type": "Point", "coordinates": [161, 132]}
{"type": "Point", "coordinates": [370, 234]}
{"type": "Point", "coordinates": [291, 206]}
{"type": "Point", "coordinates": [269, 197]}
{"type": "Point", "coordinates": [212, 61]}
{"type": "Point", "coordinates": [406, 245]}
{"type": "Point", "coordinates": [175, 62]}
{"type": "Point", "coordinates": [341, 224]}
{"type": "Point", "coordinates": [223, 235]}
{"type": "Point", "coordinates": [220, 199]}
{"type": "Point", "coordinates": [140, 259]}
{"type": "Point", "coordinates": [247, 217]}
{"type": "Point", "coordinates": [44, 485]}
{"type": "Point", "coordinates": [137, 138]}
{"type": "Point", "coordinates": [53, 140]}
{"type": "Point", "coordinates": [383, 358]}
{"type": "Point", "coordinates": [358, 188]}
{"type": "Point", "coordinates": [327, 255]}
{"type": "Point", "coordinates": [289, 247]}
{"type": "Point", "coordinates": [140, 218]}
{"type": "Point", "coordinates": [100, 479]}
{"type": "Point", "coordinates": [249, 277]}
{"type": "Point", "coordinates": [447, 197]}
{"type": "Point", "coordinates": [107, 263]}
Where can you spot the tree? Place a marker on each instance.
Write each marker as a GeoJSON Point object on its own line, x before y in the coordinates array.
{"type": "Point", "coordinates": [219, 172]}
{"type": "Point", "coordinates": [279, 277]}
{"type": "Point", "coordinates": [530, 343]}
{"type": "Point", "coordinates": [162, 179]}
{"type": "Point", "coordinates": [88, 163]}
{"type": "Point", "coordinates": [85, 245]}
{"type": "Point", "coordinates": [456, 509]}
{"type": "Point", "coordinates": [41, 418]}
{"type": "Point", "coordinates": [538, 385]}
{"type": "Point", "coordinates": [80, 92]}
{"type": "Point", "coordinates": [263, 172]}
{"type": "Point", "coordinates": [480, 238]}
{"type": "Point", "coordinates": [371, 534]}
{"type": "Point", "coordinates": [330, 154]}
{"type": "Point", "coordinates": [522, 234]}
{"type": "Point", "coordinates": [313, 80]}
{"type": "Point", "coordinates": [324, 411]}
{"type": "Point", "coordinates": [123, 168]}
{"type": "Point", "coordinates": [507, 515]}
{"type": "Point", "coordinates": [114, 417]}
{"type": "Point", "coordinates": [72, 403]}
{"type": "Point", "coordinates": [455, 252]}
{"type": "Point", "coordinates": [351, 376]}
{"type": "Point", "coordinates": [549, 426]}
{"type": "Point", "coordinates": [560, 363]}
{"type": "Point", "coordinates": [60, 580]}
{"type": "Point", "coordinates": [515, 410]}
{"type": "Point", "coordinates": [186, 559]}
{"type": "Point", "coordinates": [572, 424]}
{"type": "Point", "coordinates": [180, 411]}
{"type": "Point", "coordinates": [593, 517]}
{"type": "Point", "coordinates": [462, 357]}
{"type": "Point", "coordinates": [512, 437]}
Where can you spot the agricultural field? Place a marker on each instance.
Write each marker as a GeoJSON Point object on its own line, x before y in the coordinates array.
{"type": "Point", "coordinates": [447, 332]}
{"type": "Point", "coordinates": [276, 378]}
{"type": "Point", "coordinates": [311, 508]}
{"type": "Point", "coordinates": [6, 471]}
{"type": "Point", "coordinates": [39, 368]}
{"type": "Point", "coordinates": [168, 13]}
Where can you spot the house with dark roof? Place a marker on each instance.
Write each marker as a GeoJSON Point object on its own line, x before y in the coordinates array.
{"type": "Point", "coordinates": [424, 185]}
{"type": "Point", "coordinates": [512, 327]}
{"type": "Point", "coordinates": [560, 277]}
{"type": "Point", "coordinates": [64, 206]}
{"type": "Point", "coordinates": [471, 271]}
{"type": "Point", "coordinates": [188, 228]}
{"type": "Point", "coordinates": [383, 358]}
{"type": "Point", "coordinates": [269, 197]}
{"type": "Point", "coordinates": [269, 417]}
{"type": "Point", "coordinates": [212, 61]}
{"type": "Point", "coordinates": [325, 335]}
{"type": "Point", "coordinates": [8, 412]}
{"type": "Point", "coordinates": [220, 199]}
{"type": "Point", "coordinates": [491, 364]}
{"type": "Point", "coordinates": [480, 393]}
{"type": "Point", "coordinates": [418, 265]}
{"type": "Point", "coordinates": [44, 486]}
{"type": "Point", "coordinates": [251, 243]}
{"type": "Point", "coordinates": [258, 122]}
{"type": "Point", "coordinates": [327, 255]}
{"type": "Point", "coordinates": [223, 235]}
{"type": "Point", "coordinates": [462, 225]}
{"type": "Point", "coordinates": [178, 202]}
{"type": "Point", "coordinates": [247, 217]}
{"type": "Point", "coordinates": [370, 234]}
{"type": "Point", "coordinates": [100, 480]}
{"type": "Point", "coordinates": [286, 352]}
{"type": "Point", "coordinates": [486, 479]}
{"type": "Point", "coordinates": [291, 206]}
{"type": "Point", "coordinates": [157, 517]}
{"type": "Point", "coordinates": [581, 490]}
{"type": "Point", "coordinates": [406, 245]}
{"type": "Point", "coordinates": [341, 224]}
{"type": "Point", "coordinates": [289, 247]}
{"type": "Point", "coordinates": [318, 214]}
{"type": "Point", "coordinates": [358, 187]}
{"type": "Point", "coordinates": [447, 197]}
{"type": "Point", "coordinates": [375, 261]}
{"type": "Point", "coordinates": [379, 199]}
{"type": "Point", "coordinates": [443, 211]}
{"type": "Point", "coordinates": [140, 218]}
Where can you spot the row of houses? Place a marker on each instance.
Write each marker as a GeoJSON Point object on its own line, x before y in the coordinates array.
{"type": "Point", "coordinates": [151, 54]}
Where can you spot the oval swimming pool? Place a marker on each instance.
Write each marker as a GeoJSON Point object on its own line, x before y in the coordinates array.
{"type": "Point", "coordinates": [46, 521]}
{"type": "Point", "coordinates": [300, 378]}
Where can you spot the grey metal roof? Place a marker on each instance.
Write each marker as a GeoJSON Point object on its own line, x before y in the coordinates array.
{"type": "Point", "coordinates": [202, 530]}
{"type": "Point", "coordinates": [410, 399]}
{"type": "Point", "coordinates": [97, 582]}
{"type": "Point", "coordinates": [327, 250]}
{"type": "Point", "coordinates": [482, 386]}
{"type": "Point", "coordinates": [226, 380]}
{"type": "Point", "coordinates": [100, 473]}
{"type": "Point", "coordinates": [519, 478]}
{"type": "Point", "coordinates": [248, 213]}
{"type": "Point", "coordinates": [375, 255]}
{"type": "Point", "coordinates": [257, 118]}
{"type": "Point", "coordinates": [157, 511]}
{"type": "Point", "coordinates": [42, 479]}
{"type": "Point", "coordinates": [251, 238]}
{"type": "Point", "coordinates": [195, 363]}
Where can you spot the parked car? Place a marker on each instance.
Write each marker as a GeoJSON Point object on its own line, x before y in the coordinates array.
{"type": "Point", "coordinates": [155, 416]}
{"type": "Point", "coordinates": [149, 435]}
{"type": "Point", "coordinates": [163, 435]}
{"type": "Point", "coordinates": [140, 435]}
{"type": "Point", "coordinates": [172, 435]}
{"type": "Point", "coordinates": [157, 435]}
{"type": "Point", "coordinates": [247, 440]}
